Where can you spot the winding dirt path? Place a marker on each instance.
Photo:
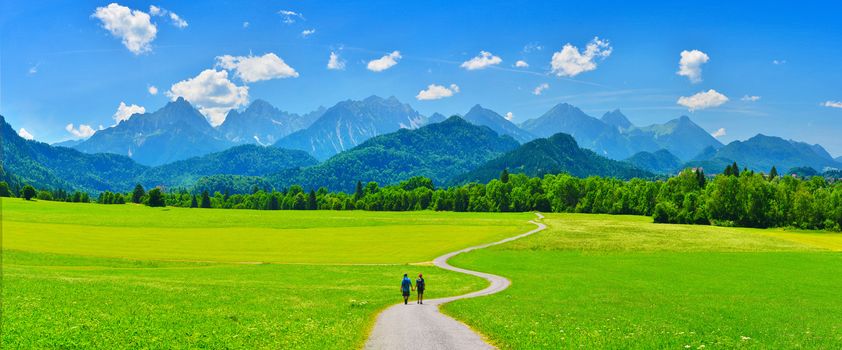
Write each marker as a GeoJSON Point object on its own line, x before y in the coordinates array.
{"type": "Point", "coordinates": [417, 327]}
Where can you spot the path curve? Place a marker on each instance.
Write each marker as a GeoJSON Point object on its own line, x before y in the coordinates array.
{"type": "Point", "coordinates": [416, 326]}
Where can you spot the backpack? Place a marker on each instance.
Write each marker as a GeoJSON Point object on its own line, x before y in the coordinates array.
{"type": "Point", "coordinates": [419, 284]}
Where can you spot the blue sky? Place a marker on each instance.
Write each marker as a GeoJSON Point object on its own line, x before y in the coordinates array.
{"type": "Point", "coordinates": [60, 63]}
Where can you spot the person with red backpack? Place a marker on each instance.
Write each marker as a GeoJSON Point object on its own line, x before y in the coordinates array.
{"type": "Point", "coordinates": [420, 284]}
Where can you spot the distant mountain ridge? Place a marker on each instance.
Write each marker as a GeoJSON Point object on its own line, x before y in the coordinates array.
{"type": "Point", "coordinates": [614, 136]}
{"type": "Point", "coordinates": [261, 123]}
{"type": "Point", "coordinates": [350, 123]}
{"type": "Point", "coordinates": [174, 132]}
{"type": "Point", "coordinates": [502, 126]}
{"type": "Point", "coordinates": [761, 152]}
{"type": "Point", "coordinates": [438, 151]}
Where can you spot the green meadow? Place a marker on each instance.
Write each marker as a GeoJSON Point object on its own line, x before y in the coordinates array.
{"type": "Point", "coordinates": [598, 281]}
{"type": "Point", "coordinates": [128, 276]}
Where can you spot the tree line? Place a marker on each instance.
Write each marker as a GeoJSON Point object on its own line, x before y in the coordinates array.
{"type": "Point", "coordinates": [733, 198]}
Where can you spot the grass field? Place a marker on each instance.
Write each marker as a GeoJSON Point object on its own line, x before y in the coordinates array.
{"type": "Point", "coordinates": [596, 281]}
{"type": "Point", "coordinates": [126, 276]}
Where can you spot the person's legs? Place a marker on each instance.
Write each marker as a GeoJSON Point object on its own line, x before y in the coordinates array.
{"type": "Point", "coordinates": [421, 297]}
{"type": "Point", "coordinates": [405, 298]}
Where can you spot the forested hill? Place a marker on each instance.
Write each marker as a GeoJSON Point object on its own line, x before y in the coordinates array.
{"type": "Point", "coordinates": [557, 154]}
{"type": "Point", "coordinates": [659, 162]}
{"type": "Point", "coordinates": [44, 166]}
{"type": "Point", "coordinates": [247, 160]}
{"type": "Point", "coordinates": [438, 151]}
{"type": "Point", "coordinates": [761, 152]}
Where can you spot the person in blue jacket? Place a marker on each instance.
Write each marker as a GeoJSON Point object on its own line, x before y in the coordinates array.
{"type": "Point", "coordinates": [406, 286]}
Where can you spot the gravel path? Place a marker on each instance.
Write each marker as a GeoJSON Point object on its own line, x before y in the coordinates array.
{"type": "Point", "coordinates": [417, 327]}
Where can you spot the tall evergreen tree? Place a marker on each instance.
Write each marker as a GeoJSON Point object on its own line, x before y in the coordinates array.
{"type": "Point", "coordinates": [700, 177]}
{"type": "Point", "coordinates": [311, 201]}
{"type": "Point", "coordinates": [504, 176]}
{"type": "Point", "coordinates": [358, 194]}
{"type": "Point", "coordinates": [773, 173]}
{"type": "Point", "coordinates": [735, 170]}
{"type": "Point", "coordinates": [206, 202]}
{"type": "Point", "coordinates": [193, 202]}
{"type": "Point", "coordinates": [138, 193]}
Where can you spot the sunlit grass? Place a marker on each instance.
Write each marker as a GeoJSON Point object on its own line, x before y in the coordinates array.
{"type": "Point", "coordinates": [128, 276]}
{"type": "Point", "coordinates": [594, 281]}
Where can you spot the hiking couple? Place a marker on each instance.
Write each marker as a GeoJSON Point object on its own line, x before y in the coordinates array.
{"type": "Point", "coordinates": [406, 286]}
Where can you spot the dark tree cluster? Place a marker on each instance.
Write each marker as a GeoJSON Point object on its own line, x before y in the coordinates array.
{"type": "Point", "coordinates": [734, 198]}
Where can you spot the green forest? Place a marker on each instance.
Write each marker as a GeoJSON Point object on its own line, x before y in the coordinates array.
{"type": "Point", "coordinates": [733, 198]}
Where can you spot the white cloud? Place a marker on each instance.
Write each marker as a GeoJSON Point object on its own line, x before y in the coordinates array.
{"type": "Point", "coordinates": [174, 18]}
{"type": "Point", "coordinates": [84, 131]}
{"type": "Point", "coordinates": [178, 21]}
{"type": "Point", "coordinates": [212, 93]}
{"type": "Point", "coordinates": [690, 65]}
{"type": "Point", "coordinates": [33, 69]}
{"type": "Point", "coordinates": [307, 32]}
{"type": "Point", "coordinates": [532, 47]}
{"type": "Point", "coordinates": [540, 89]}
{"type": "Point", "coordinates": [155, 10]}
{"type": "Point", "coordinates": [125, 111]}
{"type": "Point", "coordinates": [521, 64]}
{"type": "Point", "coordinates": [510, 116]}
{"type": "Point", "coordinates": [25, 134]}
{"type": "Point", "coordinates": [246, 24]}
{"type": "Point", "coordinates": [435, 92]}
{"type": "Point", "coordinates": [569, 62]}
{"type": "Point", "coordinates": [256, 68]}
{"type": "Point", "coordinates": [718, 133]}
{"type": "Point", "coordinates": [132, 26]}
{"type": "Point", "coordinates": [484, 60]}
{"type": "Point", "coordinates": [385, 62]}
{"type": "Point", "coordinates": [152, 90]}
{"type": "Point", "coordinates": [290, 16]}
{"type": "Point", "coordinates": [778, 62]}
{"type": "Point", "coordinates": [832, 104]}
{"type": "Point", "coordinates": [335, 63]}
{"type": "Point", "coordinates": [703, 100]}
{"type": "Point", "coordinates": [748, 98]}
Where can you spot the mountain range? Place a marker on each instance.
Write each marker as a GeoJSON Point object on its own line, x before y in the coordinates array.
{"type": "Point", "coordinates": [761, 152]}
{"type": "Point", "coordinates": [383, 140]}
{"type": "Point", "coordinates": [350, 123]}
{"type": "Point", "coordinates": [438, 151]}
{"type": "Point", "coordinates": [263, 124]}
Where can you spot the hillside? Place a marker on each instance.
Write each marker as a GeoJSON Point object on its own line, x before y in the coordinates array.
{"type": "Point", "coordinates": [350, 123]}
{"type": "Point", "coordinates": [44, 166]}
{"type": "Point", "coordinates": [557, 154]}
{"type": "Point", "coordinates": [176, 131]}
{"type": "Point", "coordinates": [245, 160]}
{"type": "Point", "coordinates": [659, 162]}
{"type": "Point", "coordinates": [438, 151]}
